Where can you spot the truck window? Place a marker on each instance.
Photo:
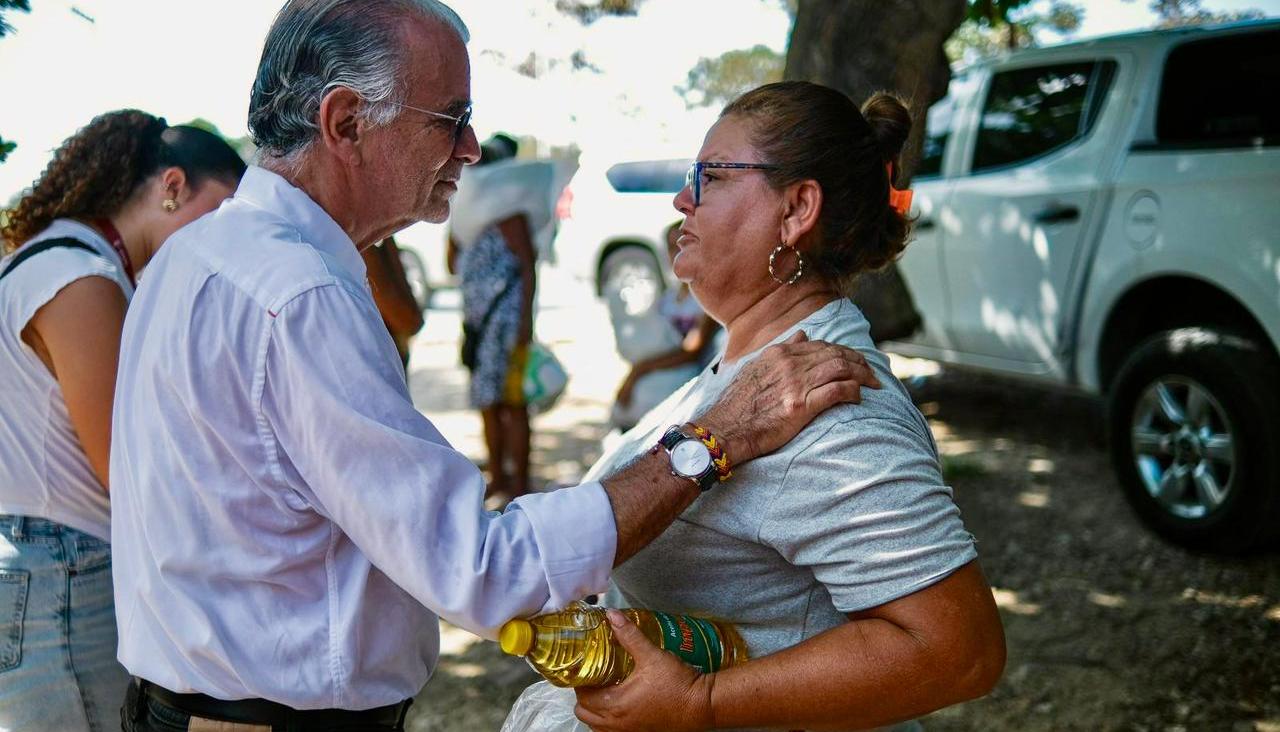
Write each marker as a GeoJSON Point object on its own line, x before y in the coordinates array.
{"type": "Point", "coordinates": [1032, 112]}
{"type": "Point", "coordinates": [940, 122]}
{"type": "Point", "coordinates": [1222, 92]}
{"type": "Point", "coordinates": [937, 129]}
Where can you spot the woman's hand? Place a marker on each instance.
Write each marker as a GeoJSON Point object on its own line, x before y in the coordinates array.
{"type": "Point", "coordinates": [661, 694]}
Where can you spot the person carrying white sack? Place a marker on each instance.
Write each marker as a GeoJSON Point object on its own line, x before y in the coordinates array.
{"type": "Point", "coordinates": [500, 207]}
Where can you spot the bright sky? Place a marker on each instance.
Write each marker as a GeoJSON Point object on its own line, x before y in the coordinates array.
{"type": "Point", "coordinates": [195, 58]}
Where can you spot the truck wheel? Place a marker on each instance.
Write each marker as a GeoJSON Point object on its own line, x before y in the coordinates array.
{"type": "Point", "coordinates": [1194, 422]}
{"type": "Point", "coordinates": [633, 273]}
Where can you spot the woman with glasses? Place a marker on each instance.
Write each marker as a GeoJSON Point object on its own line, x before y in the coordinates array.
{"type": "Point", "coordinates": [841, 558]}
{"type": "Point", "coordinates": [76, 242]}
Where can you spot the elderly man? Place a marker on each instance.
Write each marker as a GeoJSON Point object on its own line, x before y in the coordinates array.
{"type": "Point", "coordinates": [287, 527]}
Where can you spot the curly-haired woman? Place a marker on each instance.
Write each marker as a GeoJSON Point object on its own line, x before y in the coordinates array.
{"type": "Point", "coordinates": [75, 243]}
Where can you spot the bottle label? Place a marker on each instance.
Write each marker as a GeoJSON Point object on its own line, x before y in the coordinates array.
{"type": "Point", "coordinates": [694, 640]}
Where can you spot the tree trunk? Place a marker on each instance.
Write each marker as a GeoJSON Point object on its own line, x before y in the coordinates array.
{"type": "Point", "coordinates": [862, 46]}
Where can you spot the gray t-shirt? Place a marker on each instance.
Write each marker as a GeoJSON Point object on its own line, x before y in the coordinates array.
{"type": "Point", "coordinates": [850, 514]}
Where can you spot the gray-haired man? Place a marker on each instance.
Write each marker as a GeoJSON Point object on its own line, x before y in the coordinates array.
{"type": "Point", "coordinates": [287, 527]}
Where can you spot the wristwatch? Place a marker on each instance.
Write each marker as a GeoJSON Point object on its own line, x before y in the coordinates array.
{"type": "Point", "coordinates": [690, 458]}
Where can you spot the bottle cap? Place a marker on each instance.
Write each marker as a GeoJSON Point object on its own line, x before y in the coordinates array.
{"type": "Point", "coordinates": [516, 637]}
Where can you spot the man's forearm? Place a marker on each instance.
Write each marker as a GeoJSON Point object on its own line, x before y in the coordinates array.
{"type": "Point", "coordinates": [646, 498]}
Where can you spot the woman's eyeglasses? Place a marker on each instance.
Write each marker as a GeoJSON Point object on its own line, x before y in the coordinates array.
{"type": "Point", "coordinates": [693, 178]}
{"type": "Point", "coordinates": [459, 123]}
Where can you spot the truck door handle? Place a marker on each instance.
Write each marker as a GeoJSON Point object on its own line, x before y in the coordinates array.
{"type": "Point", "coordinates": [924, 225]}
{"type": "Point", "coordinates": [1056, 214]}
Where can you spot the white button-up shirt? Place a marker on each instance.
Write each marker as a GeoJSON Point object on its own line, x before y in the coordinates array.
{"type": "Point", "coordinates": [285, 524]}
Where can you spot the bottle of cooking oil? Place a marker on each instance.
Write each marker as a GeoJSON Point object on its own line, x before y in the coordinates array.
{"type": "Point", "coordinates": [575, 647]}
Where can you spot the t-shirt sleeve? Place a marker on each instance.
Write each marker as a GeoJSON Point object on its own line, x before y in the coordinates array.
{"type": "Point", "coordinates": [35, 281]}
{"type": "Point", "coordinates": [865, 508]}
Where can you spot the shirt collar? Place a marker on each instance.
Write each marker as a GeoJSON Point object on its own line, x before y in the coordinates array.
{"type": "Point", "coordinates": [270, 192]}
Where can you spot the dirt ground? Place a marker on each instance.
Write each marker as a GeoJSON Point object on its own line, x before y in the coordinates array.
{"type": "Point", "coordinates": [1108, 627]}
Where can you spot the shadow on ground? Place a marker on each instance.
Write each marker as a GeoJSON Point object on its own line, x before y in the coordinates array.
{"type": "Point", "coordinates": [1108, 627]}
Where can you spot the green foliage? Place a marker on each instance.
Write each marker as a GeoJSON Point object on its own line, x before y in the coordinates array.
{"type": "Point", "coordinates": [1178, 13]}
{"type": "Point", "coordinates": [718, 81]}
{"type": "Point", "coordinates": [7, 5]}
{"type": "Point", "coordinates": [994, 25]}
{"type": "Point", "coordinates": [7, 146]}
{"type": "Point", "coordinates": [993, 12]}
{"type": "Point", "coordinates": [589, 12]}
{"type": "Point", "coordinates": [960, 467]}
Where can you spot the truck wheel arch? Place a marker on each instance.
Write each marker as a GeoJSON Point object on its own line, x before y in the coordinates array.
{"type": "Point", "coordinates": [1164, 303]}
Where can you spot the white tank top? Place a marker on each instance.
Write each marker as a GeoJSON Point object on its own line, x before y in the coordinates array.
{"type": "Point", "coordinates": [44, 471]}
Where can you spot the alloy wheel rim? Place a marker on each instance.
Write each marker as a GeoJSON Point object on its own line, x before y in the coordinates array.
{"type": "Point", "coordinates": [1184, 446]}
{"type": "Point", "coordinates": [636, 286]}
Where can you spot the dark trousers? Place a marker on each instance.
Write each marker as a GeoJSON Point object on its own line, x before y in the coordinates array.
{"type": "Point", "coordinates": [147, 709]}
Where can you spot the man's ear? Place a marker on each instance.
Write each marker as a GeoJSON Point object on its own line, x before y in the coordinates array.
{"type": "Point", "coordinates": [340, 128]}
{"type": "Point", "coordinates": [801, 206]}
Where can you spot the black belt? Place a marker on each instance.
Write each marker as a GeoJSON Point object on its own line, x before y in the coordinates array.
{"type": "Point", "coordinates": [278, 716]}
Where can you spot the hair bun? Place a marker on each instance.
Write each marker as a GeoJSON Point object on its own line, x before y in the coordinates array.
{"type": "Point", "coordinates": [890, 123]}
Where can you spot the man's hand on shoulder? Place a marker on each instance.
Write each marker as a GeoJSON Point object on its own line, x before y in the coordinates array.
{"type": "Point", "coordinates": [783, 390]}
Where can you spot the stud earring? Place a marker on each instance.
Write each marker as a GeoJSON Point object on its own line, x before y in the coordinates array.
{"type": "Point", "coordinates": [170, 205]}
{"type": "Point", "coordinates": [799, 264]}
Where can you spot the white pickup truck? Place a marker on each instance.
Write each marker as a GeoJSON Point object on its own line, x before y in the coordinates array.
{"type": "Point", "coordinates": [1105, 215]}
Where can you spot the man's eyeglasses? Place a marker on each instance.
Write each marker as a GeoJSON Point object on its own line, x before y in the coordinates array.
{"type": "Point", "coordinates": [459, 123]}
{"type": "Point", "coordinates": [693, 178]}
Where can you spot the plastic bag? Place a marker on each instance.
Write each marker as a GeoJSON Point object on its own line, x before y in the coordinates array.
{"type": "Point", "coordinates": [544, 708]}
{"type": "Point", "coordinates": [544, 378]}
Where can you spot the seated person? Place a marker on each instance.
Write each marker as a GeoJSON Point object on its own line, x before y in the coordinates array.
{"type": "Point", "coordinates": [684, 336]}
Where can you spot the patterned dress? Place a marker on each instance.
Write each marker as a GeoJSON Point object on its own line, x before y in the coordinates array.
{"type": "Point", "coordinates": [487, 267]}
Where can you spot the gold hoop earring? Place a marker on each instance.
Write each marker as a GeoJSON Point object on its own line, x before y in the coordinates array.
{"type": "Point", "coordinates": [170, 205]}
{"type": "Point", "coordinates": [773, 260]}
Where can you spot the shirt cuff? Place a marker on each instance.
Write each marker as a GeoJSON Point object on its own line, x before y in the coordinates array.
{"type": "Point", "coordinates": [576, 537]}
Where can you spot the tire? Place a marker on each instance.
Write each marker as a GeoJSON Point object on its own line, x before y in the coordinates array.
{"type": "Point", "coordinates": [1194, 430]}
{"type": "Point", "coordinates": [633, 273]}
{"type": "Point", "coordinates": [416, 273]}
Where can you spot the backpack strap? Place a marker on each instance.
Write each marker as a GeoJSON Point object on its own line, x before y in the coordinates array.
{"type": "Point", "coordinates": [45, 245]}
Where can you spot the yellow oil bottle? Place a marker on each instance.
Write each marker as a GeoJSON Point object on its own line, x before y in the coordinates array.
{"type": "Point", "coordinates": [575, 647]}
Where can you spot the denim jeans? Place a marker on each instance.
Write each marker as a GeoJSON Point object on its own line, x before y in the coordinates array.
{"type": "Point", "coordinates": [58, 668]}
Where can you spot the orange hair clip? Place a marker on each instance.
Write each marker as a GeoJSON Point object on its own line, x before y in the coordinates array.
{"type": "Point", "coordinates": [899, 200]}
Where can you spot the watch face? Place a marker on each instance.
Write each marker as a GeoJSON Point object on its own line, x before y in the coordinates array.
{"type": "Point", "coordinates": [690, 458]}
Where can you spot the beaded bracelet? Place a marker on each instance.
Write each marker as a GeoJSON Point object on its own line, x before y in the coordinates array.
{"type": "Point", "coordinates": [719, 457]}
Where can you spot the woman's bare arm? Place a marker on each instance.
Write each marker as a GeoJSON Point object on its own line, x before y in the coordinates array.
{"type": "Point", "coordinates": [515, 231]}
{"type": "Point", "coordinates": [77, 335]}
{"type": "Point", "coordinates": [936, 647]}
{"type": "Point", "coordinates": [391, 290]}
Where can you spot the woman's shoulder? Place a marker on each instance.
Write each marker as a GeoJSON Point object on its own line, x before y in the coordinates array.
{"type": "Point", "coordinates": [842, 322]}
{"type": "Point", "coordinates": [65, 249]}
{"type": "Point", "coordinates": [839, 321]}
{"type": "Point", "coordinates": [31, 281]}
